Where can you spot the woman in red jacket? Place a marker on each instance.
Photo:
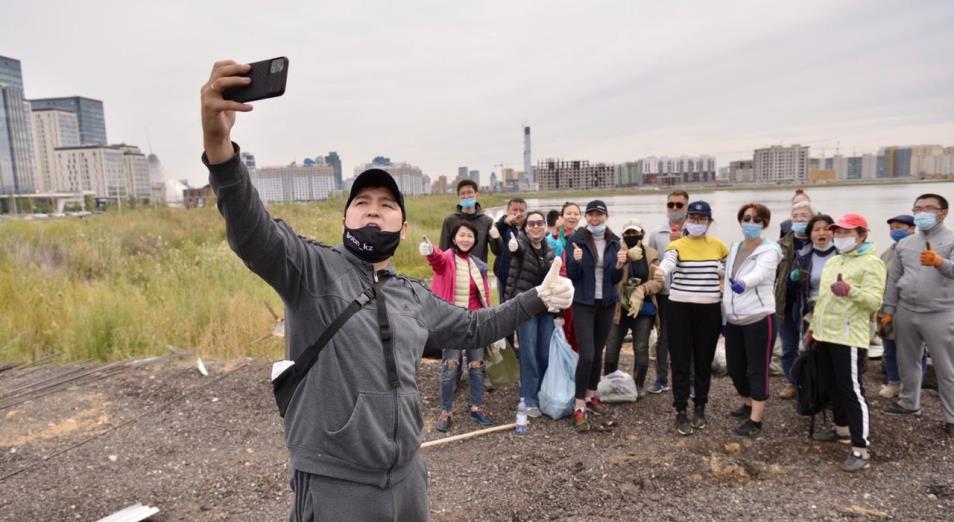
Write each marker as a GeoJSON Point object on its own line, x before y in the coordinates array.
{"type": "Point", "coordinates": [461, 279]}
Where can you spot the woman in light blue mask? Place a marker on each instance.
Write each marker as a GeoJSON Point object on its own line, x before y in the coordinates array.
{"type": "Point", "coordinates": [794, 243]}
{"type": "Point", "coordinates": [748, 305]}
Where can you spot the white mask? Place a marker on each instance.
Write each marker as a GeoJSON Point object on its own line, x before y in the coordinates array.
{"type": "Point", "coordinates": [845, 244]}
{"type": "Point", "coordinates": [696, 229]}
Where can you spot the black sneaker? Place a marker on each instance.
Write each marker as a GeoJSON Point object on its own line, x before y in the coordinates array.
{"type": "Point", "coordinates": [747, 429]}
{"type": "Point", "coordinates": [742, 412]}
{"type": "Point", "coordinates": [682, 423]}
{"type": "Point", "coordinates": [896, 409]}
{"type": "Point", "coordinates": [855, 462]}
{"type": "Point", "coordinates": [699, 417]}
{"type": "Point", "coordinates": [831, 436]}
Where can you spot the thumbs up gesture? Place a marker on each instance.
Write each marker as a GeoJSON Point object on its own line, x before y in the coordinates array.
{"type": "Point", "coordinates": [635, 253]}
{"type": "Point", "coordinates": [658, 274]}
{"type": "Point", "coordinates": [621, 258]}
{"type": "Point", "coordinates": [577, 252]}
{"type": "Point", "coordinates": [931, 258]}
{"type": "Point", "coordinates": [426, 248]}
{"type": "Point", "coordinates": [512, 245]}
{"type": "Point", "coordinates": [494, 233]}
{"type": "Point", "coordinates": [556, 292]}
{"type": "Point", "coordinates": [840, 287]}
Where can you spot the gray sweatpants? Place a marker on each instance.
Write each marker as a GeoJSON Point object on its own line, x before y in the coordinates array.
{"type": "Point", "coordinates": [912, 330]}
{"type": "Point", "coordinates": [323, 498]}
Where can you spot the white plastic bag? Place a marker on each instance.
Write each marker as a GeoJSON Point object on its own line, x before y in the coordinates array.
{"type": "Point", "coordinates": [558, 390]}
{"type": "Point", "coordinates": [618, 386]}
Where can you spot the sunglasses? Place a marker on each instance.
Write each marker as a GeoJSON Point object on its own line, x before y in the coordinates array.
{"type": "Point", "coordinates": [675, 204]}
{"type": "Point", "coordinates": [536, 223]}
{"type": "Point", "coordinates": [749, 219]}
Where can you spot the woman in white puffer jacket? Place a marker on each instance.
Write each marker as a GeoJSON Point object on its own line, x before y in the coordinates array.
{"type": "Point", "coordinates": [748, 305]}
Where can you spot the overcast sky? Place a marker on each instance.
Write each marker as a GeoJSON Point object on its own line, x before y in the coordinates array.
{"type": "Point", "coordinates": [442, 84]}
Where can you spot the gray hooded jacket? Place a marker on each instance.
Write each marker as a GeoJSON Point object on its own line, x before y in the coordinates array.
{"type": "Point", "coordinates": [918, 288]}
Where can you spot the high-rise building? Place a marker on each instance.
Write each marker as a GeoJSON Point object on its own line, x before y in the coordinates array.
{"type": "Point", "coordinates": [671, 171]}
{"type": "Point", "coordinates": [293, 183]}
{"type": "Point", "coordinates": [136, 172]}
{"type": "Point", "coordinates": [628, 175]}
{"type": "Point", "coordinates": [493, 181]}
{"type": "Point", "coordinates": [409, 178]}
{"type": "Point", "coordinates": [440, 186]}
{"type": "Point", "coordinates": [558, 174]}
{"type": "Point", "coordinates": [16, 131]}
{"type": "Point", "coordinates": [335, 161]}
{"type": "Point", "coordinates": [474, 176]}
{"type": "Point", "coordinates": [740, 171]}
{"type": "Point", "coordinates": [99, 168]}
{"type": "Point", "coordinates": [52, 128]}
{"type": "Point", "coordinates": [462, 173]}
{"type": "Point", "coordinates": [89, 113]}
{"type": "Point", "coordinates": [780, 164]}
{"type": "Point", "coordinates": [530, 175]}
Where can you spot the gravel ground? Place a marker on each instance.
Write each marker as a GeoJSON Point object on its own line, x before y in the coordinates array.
{"type": "Point", "coordinates": [210, 448]}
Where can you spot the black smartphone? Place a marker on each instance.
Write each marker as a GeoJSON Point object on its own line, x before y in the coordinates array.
{"type": "Point", "coordinates": [268, 81]}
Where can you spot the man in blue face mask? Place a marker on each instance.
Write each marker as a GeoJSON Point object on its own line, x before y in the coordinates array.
{"type": "Point", "coordinates": [919, 304]}
{"type": "Point", "coordinates": [468, 209]}
{"type": "Point", "coordinates": [901, 226]}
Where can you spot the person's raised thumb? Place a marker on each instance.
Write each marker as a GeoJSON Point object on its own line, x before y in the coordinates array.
{"type": "Point", "coordinates": [839, 278]}
{"type": "Point", "coordinates": [929, 247]}
{"type": "Point", "coordinates": [424, 239]}
{"type": "Point", "coordinates": [553, 274]}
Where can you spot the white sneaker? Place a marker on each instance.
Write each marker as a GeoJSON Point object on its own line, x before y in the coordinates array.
{"type": "Point", "coordinates": [889, 391]}
{"type": "Point", "coordinates": [534, 412]}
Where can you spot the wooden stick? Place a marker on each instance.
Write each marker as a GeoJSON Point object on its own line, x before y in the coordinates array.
{"type": "Point", "coordinates": [472, 434]}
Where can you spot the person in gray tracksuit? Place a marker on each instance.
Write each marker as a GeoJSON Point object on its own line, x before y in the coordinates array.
{"type": "Point", "coordinates": [919, 303]}
{"type": "Point", "coordinates": [353, 427]}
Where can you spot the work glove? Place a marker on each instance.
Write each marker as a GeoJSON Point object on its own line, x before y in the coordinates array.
{"type": "Point", "coordinates": [840, 287]}
{"type": "Point", "coordinates": [636, 301]}
{"type": "Point", "coordinates": [494, 233]}
{"type": "Point", "coordinates": [635, 253]}
{"type": "Point", "coordinates": [556, 292]}
{"type": "Point", "coordinates": [512, 245]}
{"type": "Point", "coordinates": [796, 275]}
{"type": "Point", "coordinates": [931, 258]}
{"type": "Point", "coordinates": [736, 285]}
{"type": "Point", "coordinates": [426, 248]}
{"type": "Point", "coordinates": [885, 320]}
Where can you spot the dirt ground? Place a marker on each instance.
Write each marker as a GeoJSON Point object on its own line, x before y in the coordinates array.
{"type": "Point", "coordinates": [211, 448]}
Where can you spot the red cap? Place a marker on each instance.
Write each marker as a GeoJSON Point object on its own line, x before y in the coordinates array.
{"type": "Point", "coordinates": [849, 221]}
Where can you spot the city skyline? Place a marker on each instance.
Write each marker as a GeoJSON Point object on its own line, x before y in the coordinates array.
{"type": "Point", "coordinates": [734, 78]}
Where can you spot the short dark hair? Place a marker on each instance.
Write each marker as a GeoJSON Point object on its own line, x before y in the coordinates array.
{"type": "Point", "coordinates": [682, 193]}
{"type": "Point", "coordinates": [940, 199]}
{"type": "Point", "coordinates": [516, 200]}
{"type": "Point", "coordinates": [466, 224]}
{"type": "Point", "coordinates": [552, 217]}
{"type": "Point", "coordinates": [801, 192]}
{"type": "Point", "coordinates": [815, 219]}
{"type": "Point", "coordinates": [467, 183]}
{"type": "Point", "coordinates": [568, 204]}
{"type": "Point", "coordinates": [760, 210]}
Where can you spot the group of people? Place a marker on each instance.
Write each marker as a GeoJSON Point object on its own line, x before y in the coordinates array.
{"type": "Point", "coordinates": [821, 286]}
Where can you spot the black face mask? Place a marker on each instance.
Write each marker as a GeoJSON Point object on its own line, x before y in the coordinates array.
{"type": "Point", "coordinates": [371, 243]}
{"type": "Point", "coordinates": [632, 241]}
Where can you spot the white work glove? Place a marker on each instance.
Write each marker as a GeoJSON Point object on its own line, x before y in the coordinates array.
{"type": "Point", "coordinates": [636, 301]}
{"type": "Point", "coordinates": [635, 253]}
{"type": "Point", "coordinates": [426, 248]}
{"type": "Point", "coordinates": [556, 292]}
{"type": "Point", "coordinates": [494, 233]}
{"type": "Point", "coordinates": [512, 245]}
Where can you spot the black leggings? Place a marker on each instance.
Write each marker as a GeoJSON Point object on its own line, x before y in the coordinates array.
{"type": "Point", "coordinates": [693, 330]}
{"type": "Point", "coordinates": [839, 371]}
{"type": "Point", "coordinates": [748, 350]}
{"type": "Point", "coordinates": [591, 325]}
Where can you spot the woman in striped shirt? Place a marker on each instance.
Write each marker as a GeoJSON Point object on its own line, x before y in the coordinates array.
{"type": "Point", "coordinates": [694, 315]}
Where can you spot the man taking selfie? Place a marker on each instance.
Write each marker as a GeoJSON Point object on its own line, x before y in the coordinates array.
{"type": "Point", "coordinates": [353, 425]}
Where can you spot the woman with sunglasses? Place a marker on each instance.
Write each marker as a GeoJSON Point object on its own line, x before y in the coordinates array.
{"type": "Point", "coordinates": [694, 314]}
{"type": "Point", "coordinates": [749, 306]}
{"type": "Point", "coordinates": [530, 259]}
{"type": "Point", "coordinates": [594, 263]}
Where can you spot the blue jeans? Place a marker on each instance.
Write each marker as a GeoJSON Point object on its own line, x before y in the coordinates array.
{"type": "Point", "coordinates": [534, 337]}
{"type": "Point", "coordinates": [890, 360]}
{"type": "Point", "coordinates": [790, 330]}
{"type": "Point", "coordinates": [450, 372]}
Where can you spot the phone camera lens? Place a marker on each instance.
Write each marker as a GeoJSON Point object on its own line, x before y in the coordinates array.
{"type": "Point", "coordinates": [277, 66]}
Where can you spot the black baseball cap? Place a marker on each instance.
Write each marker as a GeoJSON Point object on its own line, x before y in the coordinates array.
{"type": "Point", "coordinates": [376, 178]}
{"type": "Point", "coordinates": [903, 218]}
{"type": "Point", "coordinates": [596, 205]}
{"type": "Point", "coordinates": [700, 208]}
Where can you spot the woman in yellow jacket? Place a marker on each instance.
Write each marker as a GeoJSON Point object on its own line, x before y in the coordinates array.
{"type": "Point", "coordinates": [850, 291]}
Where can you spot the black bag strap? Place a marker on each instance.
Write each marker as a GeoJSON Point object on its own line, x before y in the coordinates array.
{"type": "Point", "coordinates": [387, 338]}
{"type": "Point", "coordinates": [309, 357]}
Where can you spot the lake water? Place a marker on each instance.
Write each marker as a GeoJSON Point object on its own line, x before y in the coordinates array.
{"type": "Point", "coordinates": [876, 202]}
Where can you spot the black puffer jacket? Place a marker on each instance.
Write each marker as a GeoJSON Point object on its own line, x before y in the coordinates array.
{"type": "Point", "coordinates": [528, 266]}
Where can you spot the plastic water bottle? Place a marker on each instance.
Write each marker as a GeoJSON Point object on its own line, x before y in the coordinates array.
{"type": "Point", "coordinates": [522, 417]}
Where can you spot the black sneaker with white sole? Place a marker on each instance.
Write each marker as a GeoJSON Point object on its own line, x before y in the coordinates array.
{"type": "Point", "coordinates": [831, 436]}
{"type": "Point", "coordinates": [895, 408]}
{"type": "Point", "coordinates": [699, 417]}
{"type": "Point", "coordinates": [747, 429]}
{"type": "Point", "coordinates": [855, 462]}
{"type": "Point", "coordinates": [682, 424]}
